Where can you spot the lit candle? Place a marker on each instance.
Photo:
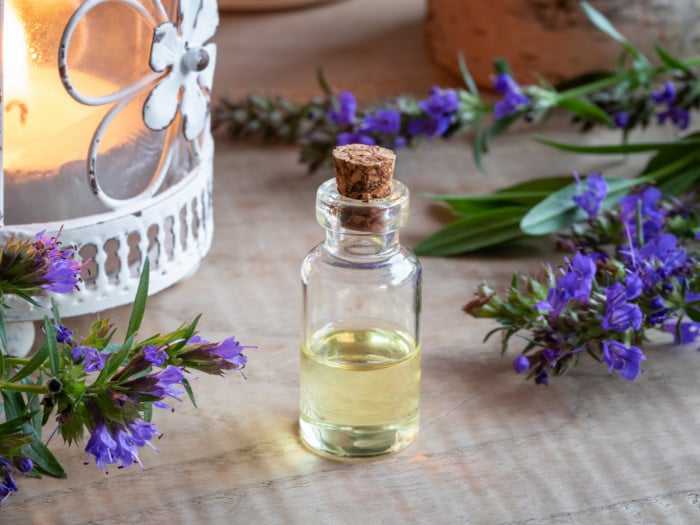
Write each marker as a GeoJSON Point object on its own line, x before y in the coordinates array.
{"type": "Point", "coordinates": [47, 133]}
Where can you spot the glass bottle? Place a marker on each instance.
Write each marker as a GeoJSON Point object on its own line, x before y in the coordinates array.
{"type": "Point", "coordinates": [360, 356]}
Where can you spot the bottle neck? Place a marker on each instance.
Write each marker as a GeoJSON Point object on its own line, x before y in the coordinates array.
{"type": "Point", "coordinates": [361, 247]}
{"type": "Point", "coordinates": [361, 231]}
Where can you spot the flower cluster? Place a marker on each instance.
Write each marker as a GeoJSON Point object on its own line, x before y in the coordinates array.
{"type": "Point", "coordinates": [111, 407]}
{"type": "Point", "coordinates": [633, 268]}
{"type": "Point", "coordinates": [636, 93]}
{"type": "Point", "coordinates": [513, 98]}
{"type": "Point", "coordinates": [31, 267]}
{"type": "Point", "coordinates": [7, 468]}
{"type": "Point", "coordinates": [388, 127]}
{"type": "Point", "coordinates": [631, 97]}
{"type": "Point", "coordinates": [321, 124]}
{"type": "Point", "coordinates": [89, 385]}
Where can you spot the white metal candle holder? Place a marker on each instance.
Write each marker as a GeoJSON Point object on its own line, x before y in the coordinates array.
{"type": "Point", "coordinates": [106, 137]}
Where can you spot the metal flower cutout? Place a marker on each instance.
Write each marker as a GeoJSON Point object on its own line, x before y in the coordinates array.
{"type": "Point", "coordinates": [183, 70]}
{"type": "Point", "coordinates": [189, 61]}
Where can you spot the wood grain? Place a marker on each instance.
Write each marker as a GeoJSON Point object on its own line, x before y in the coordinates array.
{"type": "Point", "coordinates": [492, 448]}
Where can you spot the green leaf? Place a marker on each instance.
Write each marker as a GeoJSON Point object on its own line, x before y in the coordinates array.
{"type": "Point", "coordinates": [681, 182]}
{"type": "Point", "coordinates": [559, 211]}
{"type": "Point", "coordinates": [44, 460]}
{"type": "Point", "coordinates": [190, 393]}
{"type": "Point", "coordinates": [666, 156]}
{"type": "Point", "coordinates": [114, 361]}
{"type": "Point", "coordinates": [467, 77]}
{"type": "Point", "coordinates": [3, 331]}
{"type": "Point", "coordinates": [694, 315]}
{"type": "Point", "coordinates": [614, 149]}
{"type": "Point", "coordinates": [496, 129]}
{"type": "Point", "coordinates": [481, 230]}
{"type": "Point", "coordinates": [54, 309]}
{"type": "Point", "coordinates": [52, 344]}
{"type": "Point", "coordinates": [14, 425]}
{"type": "Point", "coordinates": [500, 65]}
{"type": "Point", "coordinates": [602, 23]}
{"type": "Point", "coordinates": [466, 205]}
{"type": "Point", "coordinates": [139, 306]}
{"type": "Point", "coordinates": [35, 362]}
{"type": "Point", "coordinates": [2, 364]}
{"type": "Point", "coordinates": [586, 110]}
{"type": "Point", "coordinates": [671, 61]}
{"type": "Point", "coordinates": [322, 82]}
{"type": "Point", "coordinates": [14, 405]}
{"type": "Point", "coordinates": [185, 337]}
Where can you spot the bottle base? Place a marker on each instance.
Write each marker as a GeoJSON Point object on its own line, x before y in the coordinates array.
{"type": "Point", "coordinates": [348, 442]}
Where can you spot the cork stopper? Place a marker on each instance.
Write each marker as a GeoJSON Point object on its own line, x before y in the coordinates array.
{"type": "Point", "coordinates": [363, 172]}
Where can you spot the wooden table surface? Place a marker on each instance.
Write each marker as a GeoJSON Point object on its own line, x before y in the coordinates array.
{"type": "Point", "coordinates": [492, 448]}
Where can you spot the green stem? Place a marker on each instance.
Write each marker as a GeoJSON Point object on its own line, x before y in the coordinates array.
{"type": "Point", "coordinates": [28, 389]}
{"type": "Point", "coordinates": [16, 361]}
{"type": "Point", "coordinates": [615, 79]}
{"type": "Point", "coordinates": [669, 169]}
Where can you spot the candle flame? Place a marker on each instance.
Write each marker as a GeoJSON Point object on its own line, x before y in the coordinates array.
{"type": "Point", "coordinates": [14, 55]}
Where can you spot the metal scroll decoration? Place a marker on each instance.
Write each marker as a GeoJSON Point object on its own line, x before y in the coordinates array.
{"type": "Point", "coordinates": [182, 61]}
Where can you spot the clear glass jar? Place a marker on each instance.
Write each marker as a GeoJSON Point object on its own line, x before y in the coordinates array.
{"type": "Point", "coordinates": [360, 358]}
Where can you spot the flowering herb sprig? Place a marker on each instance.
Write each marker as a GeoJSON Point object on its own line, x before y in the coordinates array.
{"type": "Point", "coordinates": [634, 95]}
{"type": "Point", "coordinates": [91, 388]}
{"type": "Point", "coordinates": [632, 267]}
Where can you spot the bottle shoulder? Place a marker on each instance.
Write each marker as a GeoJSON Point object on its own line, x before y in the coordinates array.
{"type": "Point", "coordinates": [321, 262]}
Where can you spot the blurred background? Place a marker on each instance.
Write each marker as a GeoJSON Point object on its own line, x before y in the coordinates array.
{"type": "Point", "coordinates": [383, 47]}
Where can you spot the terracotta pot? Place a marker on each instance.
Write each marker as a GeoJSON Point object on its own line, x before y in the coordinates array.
{"type": "Point", "coordinates": [554, 37]}
{"type": "Point", "coordinates": [264, 5]}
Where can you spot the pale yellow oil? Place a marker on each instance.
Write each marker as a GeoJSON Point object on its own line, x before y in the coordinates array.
{"type": "Point", "coordinates": [359, 392]}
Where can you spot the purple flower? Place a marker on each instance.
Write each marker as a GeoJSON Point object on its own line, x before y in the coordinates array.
{"type": "Point", "coordinates": [521, 363]}
{"type": "Point", "coordinates": [577, 282]}
{"type": "Point", "coordinates": [344, 113]}
{"type": "Point", "coordinates": [664, 256]}
{"type": "Point", "coordinates": [513, 98]}
{"type": "Point", "coordinates": [622, 317]}
{"type": "Point", "coordinates": [430, 126]}
{"type": "Point", "coordinates": [166, 381]}
{"type": "Point", "coordinates": [400, 142]}
{"type": "Point", "coordinates": [440, 103]}
{"type": "Point", "coordinates": [652, 217]}
{"type": "Point", "coordinates": [622, 358]}
{"type": "Point", "coordinates": [383, 121]}
{"type": "Point", "coordinates": [591, 199]}
{"type": "Point", "coordinates": [354, 137]}
{"type": "Point", "coordinates": [100, 445]}
{"type": "Point", "coordinates": [232, 351]}
{"type": "Point", "coordinates": [119, 445]}
{"type": "Point", "coordinates": [541, 377]}
{"type": "Point", "coordinates": [155, 355]}
{"type": "Point", "coordinates": [63, 335]}
{"type": "Point", "coordinates": [619, 314]}
{"type": "Point", "coordinates": [686, 333]}
{"type": "Point", "coordinates": [92, 359]}
{"type": "Point", "coordinates": [621, 119]}
{"type": "Point", "coordinates": [677, 115]}
{"type": "Point", "coordinates": [214, 358]}
{"type": "Point", "coordinates": [556, 301]}
{"type": "Point", "coordinates": [25, 465]}
{"type": "Point", "coordinates": [551, 355]}
{"type": "Point", "coordinates": [62, 275]}
{"type": "Point", "coordinates": [7, 485]}
{"type": "Point", "coordinates": [142, 432]}
{"type": "Point", "coordinates": [666, 95]}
